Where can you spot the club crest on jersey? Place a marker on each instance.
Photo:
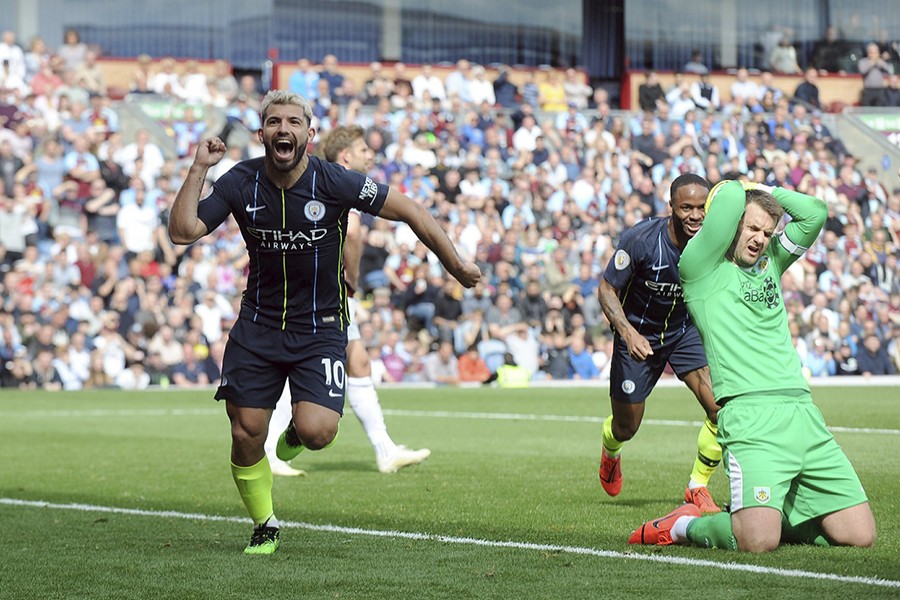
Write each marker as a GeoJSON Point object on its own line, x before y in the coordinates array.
{"type": "Point", "coordinates": [761, 265]}
{"type": "Point", "coordinates": [314, 210]}
{"type": "Point", "coordinates": [628, 386]}
{"type": "Point", "coordinates": [622, 260]}
{"type": "Point", "coordinates": [762, 494]}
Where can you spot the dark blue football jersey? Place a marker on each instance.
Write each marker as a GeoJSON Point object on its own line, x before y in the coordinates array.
{"type": "Point", "coordinates": [645, 271]}
{"type": "Point", "coordinates": [295, 239]}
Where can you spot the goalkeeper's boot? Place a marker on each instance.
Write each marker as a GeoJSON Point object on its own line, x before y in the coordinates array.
{"type": "Point", "coordinates": [702, 499]}
{"type": "Point", "coordinates": [611, 473]}
{"type": "Point", "coordinates": [265, 540]}
{"type": "Point", "coordinates": [659, 532]}
{"type": "Point", "coordinates": [289, 445]}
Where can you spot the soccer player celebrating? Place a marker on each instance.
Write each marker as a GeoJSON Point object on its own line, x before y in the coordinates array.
{"type": "Point", "coordinates": [641, 296]}
{"type": "Point", "coordinates": [292, 211]}
{"type": "Point", "coordinates": [790, 481]}
{"type": "Point", "coordinates": [346, 146]}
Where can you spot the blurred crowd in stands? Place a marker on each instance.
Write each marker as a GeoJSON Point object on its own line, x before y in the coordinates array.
{"type": "Point", "coordinates": [537, 181]}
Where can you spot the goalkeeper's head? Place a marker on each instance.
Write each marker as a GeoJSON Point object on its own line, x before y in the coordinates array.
{"type": "Point", "coordinates": [761, 216]}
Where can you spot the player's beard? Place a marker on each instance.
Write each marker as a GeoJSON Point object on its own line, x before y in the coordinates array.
{"type": "Point", "coordinates": [285, 166]}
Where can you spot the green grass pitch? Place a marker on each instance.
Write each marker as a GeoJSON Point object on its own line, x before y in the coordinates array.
{"type": "Point", "coordinates": [109, 495]}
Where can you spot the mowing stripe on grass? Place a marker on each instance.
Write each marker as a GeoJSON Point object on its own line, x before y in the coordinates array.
{"type": "Point", "coordinates": [582, 419]}
{"type": "Point", "coordinates": [674, 560]}
{"type": "Point", "coordinates": [436, 414]}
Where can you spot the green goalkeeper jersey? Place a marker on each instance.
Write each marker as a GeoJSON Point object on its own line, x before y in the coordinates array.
{"type": "Point", "coordinates": [739, 311]}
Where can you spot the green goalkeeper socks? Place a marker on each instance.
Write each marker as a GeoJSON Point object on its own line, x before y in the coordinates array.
{"type": "Point", "coordinates": [712, 531]}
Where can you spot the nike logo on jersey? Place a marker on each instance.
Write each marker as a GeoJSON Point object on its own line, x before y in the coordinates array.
{"type": "Point", "coordinates": [659, 268]}
{"type": "Point", "coordinates": [251, 209]}
{"type": "Point", "coordinates": [333, 395]}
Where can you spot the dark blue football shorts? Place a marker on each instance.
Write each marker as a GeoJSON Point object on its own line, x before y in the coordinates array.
{"type": "Point", "coordinates": [631, 380]}
{"type": "Point", "coordinates": [259, 358]}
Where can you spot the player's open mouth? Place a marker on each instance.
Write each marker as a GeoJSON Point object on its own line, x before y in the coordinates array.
{"type": "Point", "coordinates": [692, 229]}
{"type": "Point", "coordinates": [284, 149]}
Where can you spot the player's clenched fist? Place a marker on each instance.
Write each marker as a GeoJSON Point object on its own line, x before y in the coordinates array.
{"type": "Point", "coordinates": [210, 152]}
{"type": "Point", "coordinates": [470, 275]}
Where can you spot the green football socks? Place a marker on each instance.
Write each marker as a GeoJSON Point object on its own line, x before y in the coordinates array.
{"type": "Point", "coordinates": [610, 443]}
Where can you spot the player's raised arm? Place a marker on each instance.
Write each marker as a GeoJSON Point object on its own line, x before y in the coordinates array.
{"type": "Point", "coordinates": [185, 227]}
{"type": "Point", "coordinates": [724, 209]}
{"type": "Point", "coordinates": [399, 207]}
{"type": "Point", "coordinates": [808, 215]}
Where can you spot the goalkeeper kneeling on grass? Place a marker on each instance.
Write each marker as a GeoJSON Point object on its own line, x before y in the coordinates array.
{"type": "Point", "coordinates": [790, 481]}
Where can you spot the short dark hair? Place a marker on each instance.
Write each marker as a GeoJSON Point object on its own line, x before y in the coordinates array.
{"type": "Point", "coordinates": [687, 179]}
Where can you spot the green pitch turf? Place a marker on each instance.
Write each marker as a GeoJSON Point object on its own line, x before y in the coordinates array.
{"type": "Point", "coordinates": [109, 495]}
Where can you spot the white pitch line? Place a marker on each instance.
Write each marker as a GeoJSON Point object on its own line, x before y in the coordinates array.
{"type": "Point", "coordinates": [436, 414]}
{"type": "Point", "coordinates": [673, 560]}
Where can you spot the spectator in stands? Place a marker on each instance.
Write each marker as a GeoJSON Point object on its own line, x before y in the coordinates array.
{"type": "Point", "coordinates": [650, 93]}
{"type": "Point", "coordinates": [190, 372]}
{"type": "Point", "coordinates": [480, 89]}
{"type": "Point", "coordinates": [193, 87]}
{"type": "Point", "coordinates": [142, 157]}
{"type": "Point", "coordinates": [505, 91]}
{"type": "Point", "coordinates": [530, 92]}
{"type": "Point", "coordinates": [137, 224]}
{"type": "Point", "coordinates": [876, 72]}
{"type": "Point", "coordinates": [304, 80]}
{"type": "Point", "coordinates": [471, 367]}
{"type": "Point", "coordinates": [224, 81]}
{"type": "Point", "coordinates": [552, 93]}
{"type": "Point", "coordinates": [457, 81]}
{"type": "Point", "coordinates": [577, 91]}
{"type": "Point", "coordinates": [12, 55]}
{"type": "Point", "coordinates": [893, 346]}
{"type": "Point", "coordinates": [509, 374]}
{"type": "Point", "coordinates": [428, 82]}
{"type": "Point", "coordinates": [102, 120]}
{"type": "Point", "coordinates": [90, 76]}
{"type": "Point", "coordinates": [447, 309]}
{"type": "Point", "coordinates": [419, 299]}
{"type": "Point", "coordinates": [581, 361]}
{"type": "Point", "coordinates": [783, 58]}
{"type": "Point", "coordinates": [828, 51]}
{"type": "Point", "coordinates": [845, 360]}
{"type": "Point", "coordinates": [872, 357]}
{"type": "Point", "coordinates": [164, 80]}
{"type": "Point", "coordinates": [72, 50]}
{"type": "Point", "coordinates": [329, 72]}
{"type": "Point", "coordinates": [807, 91]}
{"type": "Point", "coordinates": [695, 65]}
{"type": "Point", "coordinates": [892, 93]}
{"type": "Point", "coordinates": [441, 365]}
{"type": "Point", "coordinates": [11, 82]}
{"type": "Point", "coordinates": [743, 86]}
{"type": "Point", "coordinates": [705, 94]}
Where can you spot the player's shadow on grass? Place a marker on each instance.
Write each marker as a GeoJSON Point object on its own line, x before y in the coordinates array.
{"type": "Point", "coordinates": [641, 502]}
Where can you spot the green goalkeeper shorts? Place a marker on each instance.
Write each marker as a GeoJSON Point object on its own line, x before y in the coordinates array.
{"type": "Point", "coordinates": [780, 454]}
